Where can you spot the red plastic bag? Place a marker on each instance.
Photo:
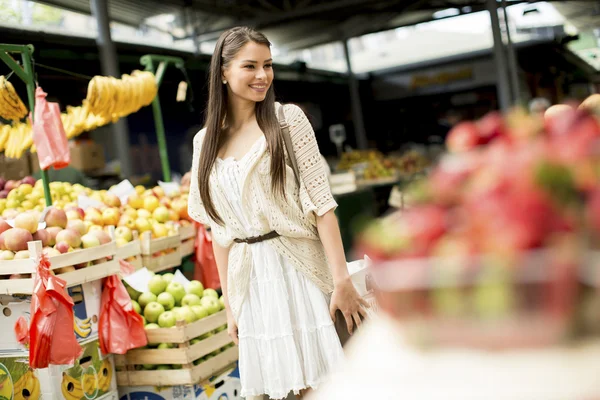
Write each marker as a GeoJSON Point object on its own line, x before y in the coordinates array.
{"type": "Point", "coordinates": [206, 266]}
{"type": "Point", "coordinates": [49, 134]}
{"type": "Point", "coordinates": [120, 327]}
{"type": "Point", "coordinates": [51, 336]}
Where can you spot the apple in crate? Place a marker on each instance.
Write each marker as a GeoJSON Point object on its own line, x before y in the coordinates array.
{"type": "Point", "coordinates": [16, 239]}
{"type": "Point", "coordinates": [88, 240]}
{"type": "Point", "coordinates": [63, 247]}
{"type": "Point", "coordinates": [124, 232]}
{"type": "Point", "coordinates": [52, 232]}
{"type": "Point", "coordinates": [43, 236]}
{"type": "Point", "coordinates": [77, 225]}
{"type": "Point", "coordinates": [56, 217]}
{"type": "Point", "coordinates": [146, 298]}
{"type": "Point", "coordinates": [211, 304]}
{"type": "Point", "coordinates": [26, 221]}
{"type": "Point", "coordinates": [70, 237]}
{"type": "Point", "coordinates": [136, 306]}
{"type": "Point", "coordinates": [21, 255]}
{"type": "Point", "coordinates": [168, 277]}
{"type": "Point", "coordinates": [6, 255]}
{"type": "Point", "coordinates": [165, 346]}
{"type": "Point", "coordinates": [177, 291]}
{"type": "Point", "coordinates": [4, 226]}
{"type": "Point", "coordinates": [157, 285]}
{"type": "Point", "coordinates": [167, 319]}
{"type": "Point", "coordinates": [185, 313]}
{"type": "Point", "coordinates": [102, 236]}
{"type": "Point", "coordinates": [200, 311]}
{"type": "Point", "coordinates": [190, 300]}
{"type": "Point", "coordinates": [152, 311]}
{"type": "Point", "coordinates": [166, 300]}
{"type": "Point", "coordinates": [195, 287]}
{"type": "Point", "coordinates": [211, 293]}
{"type": "Point", "coordinates": [134, 294]}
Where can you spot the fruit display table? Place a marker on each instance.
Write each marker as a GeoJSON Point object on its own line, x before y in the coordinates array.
{"type": "Point", "coordinates": [380, 365]}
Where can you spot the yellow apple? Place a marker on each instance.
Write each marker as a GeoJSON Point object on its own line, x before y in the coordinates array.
{"type": "Point", "coordinates": [159, 230]}
{"type": "Point", "coordinates": [88, 225]}
{"type": "Point", "coordinates": [173, 215]}
{"type": "Point", "coordinates": [161, 214]}
{"type": "Point", "coordinates": [94, 216]}
{"type": "Point", "coordinates": [124, 232]}
{"type": "Point", "coordinates": [142, 225]}
{"type": "Point", "coordinates": [135, 201]}
{"type": "Point", "coordinates": [139, 189]}
{"type": "Point", "coordinates": [158, 191]}
{"type": "Point", "coordinates": [131, 212]}
{"type": "Point", "coordinates": [143, 213]}
{"type": "Point", "coordinates": [111, 216]}
{"type": "Point", "coordinates": [151, 203]}
{"type": "Point", "coordinates": [120, 241]}
{"type": "Point", "coordinates": [27, 205]}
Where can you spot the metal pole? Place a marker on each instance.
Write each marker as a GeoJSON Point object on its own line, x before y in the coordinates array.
{"type": "Point", "coordinates": [110, 66]}
{"type": "Point", "coordinates": [357, 115]}
{"type": "Point", "coordinates": [513, 68]}
{"type": "Point", "coordinates": [502, 84]}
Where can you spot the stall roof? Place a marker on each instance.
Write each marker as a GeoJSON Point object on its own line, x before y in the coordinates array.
{"type": "Point", "coordinates": [294, 24]}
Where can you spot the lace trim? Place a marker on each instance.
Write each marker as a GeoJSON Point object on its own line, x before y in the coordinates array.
{"type": "Point", "coordinates": [303, 330]}
{"type": "Point", "coordinates": [279, 394]}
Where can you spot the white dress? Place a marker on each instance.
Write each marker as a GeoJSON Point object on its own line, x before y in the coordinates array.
{"type": "Point", "coordinates": [287, 339]}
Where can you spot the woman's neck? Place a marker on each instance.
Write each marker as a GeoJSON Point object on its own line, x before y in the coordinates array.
{"type": "Point", "coordinates": [240, 112]}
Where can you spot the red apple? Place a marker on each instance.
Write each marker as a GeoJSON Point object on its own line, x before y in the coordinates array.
{"type": "Point", "coordinates": [15, 239]}
{"type": "Point", "coordinates": [56, 217]}
{"type": "Point", "coordinates": [43, 236]}
{"type": "Point", "coordinates": [52, 232]}
{"type": "Point", "coordinates": [4, 226]}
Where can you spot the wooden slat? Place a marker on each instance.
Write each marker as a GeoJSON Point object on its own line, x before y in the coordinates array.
{"type": "Point", "coordinates": [177, 356]}
{"type": "Point", "coordinates": [185, 333]}
{"type": "Point", "coordinates": [160, 263]}
{"type": "Point", "coordinates": [16, 286]}
{"type": "Point", "coordinates": [187, 247]}
{"type": "Point", "coordinates": [25, 266]}
{"type": "Point", "coordinates": [155, 245]}
{"type": "Point", "coordinates": [187, 232]}
{"type": "Point", "coordinates": [179, 376]}
{"type": "Point", "coordinates": [85, 255]}
{"type": "Point", "coordinates": [131, 249]}
{"type": "Point", "coordinates": [91, 273]}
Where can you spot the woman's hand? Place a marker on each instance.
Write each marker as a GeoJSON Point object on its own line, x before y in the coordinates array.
{"type": "Point", "coordinates": [232, 328]}
{"type": "Point", "coordinates": [348, 301]}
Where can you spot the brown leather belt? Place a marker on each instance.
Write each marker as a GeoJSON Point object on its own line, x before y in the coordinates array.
{"type": "Point", "coordinates": [258, 239]}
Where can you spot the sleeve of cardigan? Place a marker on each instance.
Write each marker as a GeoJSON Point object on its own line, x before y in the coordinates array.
{"type": "Point", "coordinates": [313, 173]}
{"type": "Point", "coordinates": [195, 207]}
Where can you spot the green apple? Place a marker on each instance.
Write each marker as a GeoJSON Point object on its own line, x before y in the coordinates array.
{"type": "Point", "coordinates": [177, 291]}
{"type": "Point", "coordinates": [194, 341]}
{"type": "Point", "coordinates": [200, 311]}
{"type": "Point", "coordinates": [190, 300]}
{"type": "Point", "coordinates": [136, 306]}
{"type": "Point", "coordinates": [144, 320]}
{"type": "Point", "coordinates": [149, 366]}
{"type": "Point", "coordinates": [134, 294]}
{"type": "Point", "coordinates": [157, 285]}
{"type": "Point", "coordinates": [176, 366]}
{"type": "Point", "coordinates": [167, 319]}
{"type": "Point", "coordinates": [221, 328]}
{"type": "Point", "coordinates": [163, 368]}
{"type": "Point", "coordinates": [168, 277]}
{"type": "Point", "coordinates": [195, 287]}
{"type": "Point", "coordinates": [166, 300]}
{"type": "Point", "coordinates": [176, 309]}
{"type": "Point", "coordinates": [199, 361]}
{"type": "Point", "coordinates": [206, 335]}
{"type": "Point", "coordinates": [211, 292]}
{"type": "Point", "coordinates": [186, 314]}
{"type": "Point", "coordinates": [146, 298]}
{"type": "Point", "coordinates": [152, 311]}
{"type": "Point", "coordinates": [211, 304]}
{"type": "Point", "coordinates": [164, 346]}
{"type": "Point", "coordinates": [222, 302]}
{"type": "Point", "coordinates": [151, 326]}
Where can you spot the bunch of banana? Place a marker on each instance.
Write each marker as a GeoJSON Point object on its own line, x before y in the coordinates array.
{"type": "Point", "coordinates": [90, 385]}
{"type": "Point", "coordinates": [113, 98]}
{"type": "Point", "coordinates": [15, 139]}
{"type": "Point", "coordinates": [83, 328]}
{"type": "Point", "coordinates": [27, 387]}
{"type": "Point", "coordinates": [11, 106]}
{"type": "Point", "coordinates": [71, 388]}
{"type": "Point", "coordinates": [105, 375]}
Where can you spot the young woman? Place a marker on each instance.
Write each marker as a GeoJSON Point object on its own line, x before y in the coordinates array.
{"type": "Point", "coordinates": [277, 244]}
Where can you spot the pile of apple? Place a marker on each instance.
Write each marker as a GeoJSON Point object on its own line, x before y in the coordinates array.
{"type": "Point", "coordinates": [510, 186]}
{"type": "Point", "coordinates": [167, 302]}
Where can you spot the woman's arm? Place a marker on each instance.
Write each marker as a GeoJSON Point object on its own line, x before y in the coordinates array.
{"type": "Point", "coordinates": [345, 297]}
{"type": "Point", "coordinates": [222, 258]}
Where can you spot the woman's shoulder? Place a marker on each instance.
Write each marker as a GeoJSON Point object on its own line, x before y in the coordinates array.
{"type": "Point", "coordinates": [199, 138]}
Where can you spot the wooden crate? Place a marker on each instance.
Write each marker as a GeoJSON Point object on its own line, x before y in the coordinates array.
{"type": "Point", "coordinates": [188, 240]}
{"type": "Point", "coordinates": [187, 232]}
{"type": "Point", "coordinates": [155, 262]}
{"type": "Point", "coordinates": [185, 355]}
{"type": "Point", "coordinates": [133, 251]}
{"type": "Point", "coordinates": [87, 274]}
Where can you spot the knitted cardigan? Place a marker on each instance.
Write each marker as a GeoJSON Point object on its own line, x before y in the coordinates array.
{"type": "Point", "coordinates": [293, 217]}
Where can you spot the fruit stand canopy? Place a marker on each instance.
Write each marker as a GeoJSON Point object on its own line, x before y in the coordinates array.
{"type": "Point", "coordinates": [293, 24]}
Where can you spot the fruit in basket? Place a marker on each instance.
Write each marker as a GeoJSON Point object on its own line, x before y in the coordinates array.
{"type": "Point", "coordinates": [195, 287]}
{"type": "Point", "coordinates": [151, 203]}
{"type": "Point", "coordinates": [43, 236]}
{"type": "Point", "coordinates": [161, 214]}
{"type": "Point", "coordinates": [135, 201]}
{"type": "Point", "coordinates": [494, 296]}
{"type": "Point", "coordinates": [27, 221]}
{"type": "Point", "coordinates": [150, 326]}
{"type": "Point", "coordinates": [146, 298]}
{"type": "Point", "coordinates": [89, 240]}
{"type": "Point", "coordinates": [152, 311]}
{"type": "Point", "coordinates": [102, 236]}
{"type": "Point", "coordinates": [111, 200]}
{"type": "Point", "coordinates": [4, 226]}
{"type": "Point", "coordinates": [50, 252]}
{"type": "Point", "coordinates": [144, 214]}
{"type": "Point", "coordinates": [200, 311]}
{"type": "Point", "coordinates": [190, 300]}
{"type": "Point", "coordinates": [167, 319]}
{"type": "Point", "coordinates": [6, 255]}
{"type": "Point", "coordinates": [56, 217]}
{"type": "Point", "coordinates": [73, 214]}
{"type": "Point", "coordinates": [124, 232]}
{"type": "Point", "coordinates": [166, 300]}
{"type": "Point", "coordinates": [159, 230]}
{"type": "Point", "coordinates": [136, 307]}
{"type": "Point", "coordinates": [211, 304]}
{"type": "Point", "coordinates": [71, 237]}
{"type": "Point", "coordinates": [157, 285]}
{"type": "Point", "coordinates": [111, 216]}
{"type": "Point", "coordinates": [142, 225]}
{"type": "Point", "coordinates": [78, 226]}
{"type": "Point", "coordinates": [134, 294]}
{"type": "Point", "coordinates": [52, 232]}
{"type": "Point", "coordinates": [22, 255]}
{"type": "Point", "coordinates": [185, 313]}
{"type": "Point", "coordinates": [94, 216]}
{"type": "Point", "coordinates": [63, 247]}
{"type": "Point", "coordinates": [127, 221]}
{"type": "Point", "coordinates": [177, 290]}
{"type": "Point", "coordinates": [16, 239]}
{"type": "Point", "coordinates": [222, 302]}
{"type": "Point", "coordinates": [211, 293]}
{"type": "Point", "coordinates": [165, 346]}
{"type": "Point", "coordinates": [168, 277]}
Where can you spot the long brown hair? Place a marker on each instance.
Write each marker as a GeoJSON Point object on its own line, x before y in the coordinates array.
{"type": "Point", "coordinates": [228, 45]}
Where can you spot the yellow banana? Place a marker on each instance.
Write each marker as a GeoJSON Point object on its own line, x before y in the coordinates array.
{"type": "Point", "coordinates": [71, 388]}
{"type": "Point", "coordinates": [82, 332]}
{"type": "Point", "coordinates": [27, 387]}
{"type": "Point", "coordinates": [105, 375]}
